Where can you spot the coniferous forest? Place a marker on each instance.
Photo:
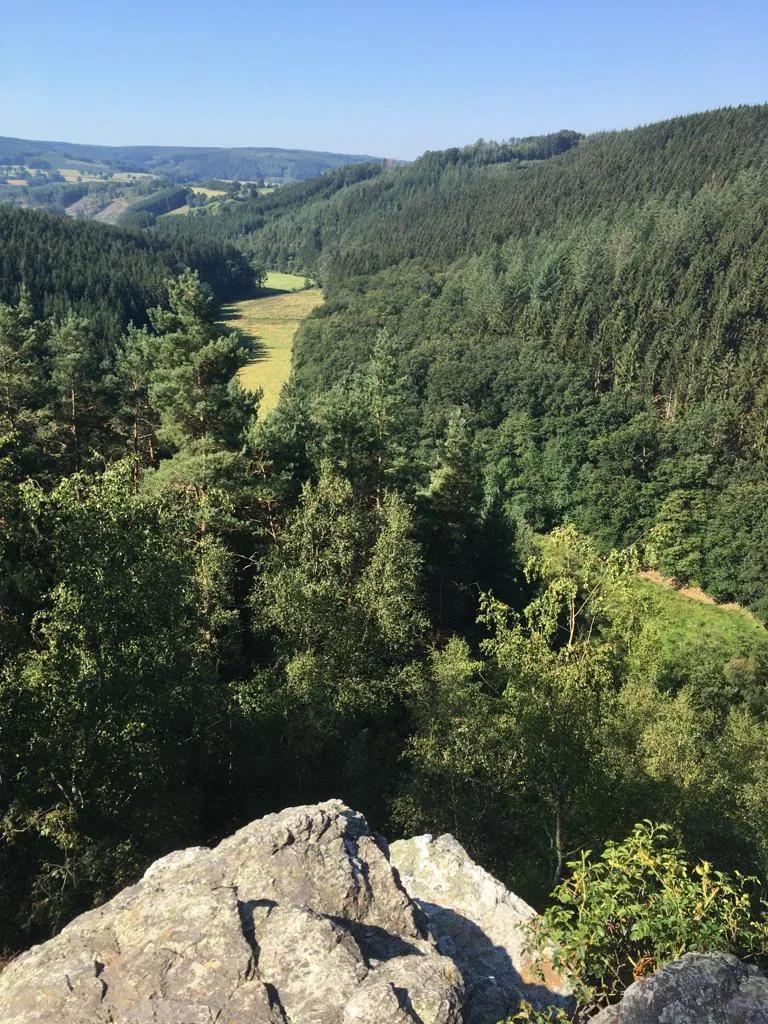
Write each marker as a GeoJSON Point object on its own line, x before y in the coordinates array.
{"type": "Point", "coordinates": [540, 370]}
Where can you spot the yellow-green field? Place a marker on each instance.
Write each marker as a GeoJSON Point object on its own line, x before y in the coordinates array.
{"type": "Point", "coordinates": [279, 282]}
{"type": "Point", "coordinates": [71, 174]}
{"type": "Point", "coordinates": [207, 191]}
{"type": "Point", "coordinates": [131, 175]}
{"type": "Point", "coordinates": [273, 319]}
{"type": "Point", "coordinates": [75, 174]}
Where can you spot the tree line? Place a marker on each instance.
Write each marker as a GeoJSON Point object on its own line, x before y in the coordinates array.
{"type": "Point", "coordinates": [108, 275]}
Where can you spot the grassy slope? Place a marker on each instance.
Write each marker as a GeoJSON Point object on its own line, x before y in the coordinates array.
{"type": "Point", "coordinates": [273, 317]}
{"type": "Point", "coordinates": [686, 627]}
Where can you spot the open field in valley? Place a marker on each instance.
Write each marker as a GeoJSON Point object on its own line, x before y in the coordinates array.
{"type": "Point", "coordinates": [272, 317]}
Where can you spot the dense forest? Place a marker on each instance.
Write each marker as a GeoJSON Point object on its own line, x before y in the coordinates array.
{"type": "Point", "coordinates": [598, 315]}
{"type": "Point", "coordinates": [109, 275]}
{"type": "Point", "coordinates": [540, 368]}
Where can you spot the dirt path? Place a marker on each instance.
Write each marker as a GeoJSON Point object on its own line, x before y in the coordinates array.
{"type": "Point", "coordinates": [695, 594]}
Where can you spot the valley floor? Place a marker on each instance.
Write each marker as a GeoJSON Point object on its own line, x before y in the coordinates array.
{"type": "Point", "coordinates": [272, 319]}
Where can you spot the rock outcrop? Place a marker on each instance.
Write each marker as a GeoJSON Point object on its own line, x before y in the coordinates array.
{"type": "Point", "coordinates": [298, 918]}
{"type": "Point", "coordinates": [699, 988]}
{"type": "Point", "coordinates": [477, 922]}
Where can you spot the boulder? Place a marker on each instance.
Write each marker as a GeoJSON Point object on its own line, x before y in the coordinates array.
{"type": "Point", "coordinates": [298, 918]}
{"type": "Point", "coordinates": [479, 924]}
{"type": "Point", "coordinates": [699, 988]}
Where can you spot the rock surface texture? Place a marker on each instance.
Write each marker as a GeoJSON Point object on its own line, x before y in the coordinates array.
{"type": "Point", "coordinates": [699, 988]}
{"type": "Point", "coordinates": [298, 918]}
{"type": "Point", "coordinates": [477, 922]}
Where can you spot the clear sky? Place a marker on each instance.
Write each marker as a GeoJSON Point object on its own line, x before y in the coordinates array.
{"type": "Point", "coordinates": [383, 78]}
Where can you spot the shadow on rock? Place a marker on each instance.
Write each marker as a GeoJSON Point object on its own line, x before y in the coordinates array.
{"type": "Point", "coordinates": [495, 986]}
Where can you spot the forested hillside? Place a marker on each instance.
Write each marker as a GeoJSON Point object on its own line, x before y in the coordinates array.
{"type": "Point", "coordinates": [541, 366]}
{"type": "Point", "coordinates": [599, 316]}
{"type": "Point", "coordinates": [177, 163]}
{"type": "Point", "coordinates": [110, 276]}
{"type": "Point", "coordinates": [238, 223]}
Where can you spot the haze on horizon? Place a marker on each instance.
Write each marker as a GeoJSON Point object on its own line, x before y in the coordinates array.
{"type": "Point", "coordinates": [351, 78]}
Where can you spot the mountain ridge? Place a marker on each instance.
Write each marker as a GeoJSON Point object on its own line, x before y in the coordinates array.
{"type": "Point", "coordinates": [183, 163]}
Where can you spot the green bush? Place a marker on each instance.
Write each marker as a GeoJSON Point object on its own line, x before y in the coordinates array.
{"type": "Point", "coordinates": [640, 905]}
{"type": "Point", "coordinates": [528, 1015]}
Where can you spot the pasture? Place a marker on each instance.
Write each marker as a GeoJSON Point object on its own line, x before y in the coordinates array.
{"type": "Point", "coordinates": [272, 319]}
{"type": "Point", "coordinates": [73, 175]}
{"type": "Point", "coordinates": [687, 623]}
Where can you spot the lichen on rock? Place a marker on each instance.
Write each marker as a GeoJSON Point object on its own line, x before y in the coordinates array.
{"type": "Point", "coordinates": [298, 918]}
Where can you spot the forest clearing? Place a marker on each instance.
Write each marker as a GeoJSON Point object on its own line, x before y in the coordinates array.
{"type": "Point", "coordinates": [273, 317]}
{"type": "Point", "coordinates": [688, 625]}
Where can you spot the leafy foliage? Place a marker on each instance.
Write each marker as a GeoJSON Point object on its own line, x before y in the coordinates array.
{"type": "Point", "coordinates": [640, 905]}
{"type": "Point", "coordinates": [106, 741]}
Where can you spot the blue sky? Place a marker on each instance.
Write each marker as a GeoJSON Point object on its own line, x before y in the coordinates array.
{"type": "Point", "coordinates": [389, 79]}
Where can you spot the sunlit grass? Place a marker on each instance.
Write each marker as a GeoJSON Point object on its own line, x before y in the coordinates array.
{"type": "Point", "coordinates": [272, 319]}
{"type": "Point", "coordinates": [683, 623]}
{"type": "Point", "coordinates": [277, 281]}
{"type": "Point", "coordinates": [73, 175]}
{"type": "Point", "coordinates": [130, 175]}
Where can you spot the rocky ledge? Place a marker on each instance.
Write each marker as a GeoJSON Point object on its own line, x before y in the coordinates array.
{"type": "Point", "coordinates": [299, 918]}
{"type": "Point", "coordinates": [699, 988]}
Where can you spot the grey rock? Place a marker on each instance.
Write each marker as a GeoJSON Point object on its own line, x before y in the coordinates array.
{"type": "Point", "coordinates": [610, 1015]}
{"type": "Point", "coordinates": [478, 923]}
{"type": "Point", "coordinates": [699, 988]}
{"type": "Point", "coordinates": [296, 919]}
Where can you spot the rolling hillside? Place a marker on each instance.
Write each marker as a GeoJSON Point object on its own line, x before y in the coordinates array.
{"type": "Point", "coordinates": [176, 163]}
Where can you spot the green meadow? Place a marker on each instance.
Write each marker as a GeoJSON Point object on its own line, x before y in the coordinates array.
{"type": "Point", "coordinates": [686, 625]}
{"type": "Point", "coordinates": [272, 319]}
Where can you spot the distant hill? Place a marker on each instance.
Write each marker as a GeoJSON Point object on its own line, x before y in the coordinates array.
{"type": "Point", "coordinates": [177, 163]}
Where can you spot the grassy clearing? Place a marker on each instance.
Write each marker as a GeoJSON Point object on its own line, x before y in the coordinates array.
{"type": "Point", "coordinates": [688, 628]}
{"type": "Point", "coordinates": [180, 211]}
{"type": "Point", "coordinates": [277, 282]}
{"type": "Point", "coordinates": [130, 176]}
{"type": "Point", "coordinates": [272, 318]}
{"type": "Point", "coordinates": [696, 594]}
{"type": "Point", "coordinates": [73, 175]}
{"type": "Point", "coordinates": [200, 191]}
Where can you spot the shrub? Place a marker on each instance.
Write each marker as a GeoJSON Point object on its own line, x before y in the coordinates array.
{"type": "Point", "coordinates": [640, 905]}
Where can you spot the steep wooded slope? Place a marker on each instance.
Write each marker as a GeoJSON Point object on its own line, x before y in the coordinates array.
{"type": "Point", "coordinates": [600, 316]}
{"type": "Point", "coordinates": [107, 274]}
